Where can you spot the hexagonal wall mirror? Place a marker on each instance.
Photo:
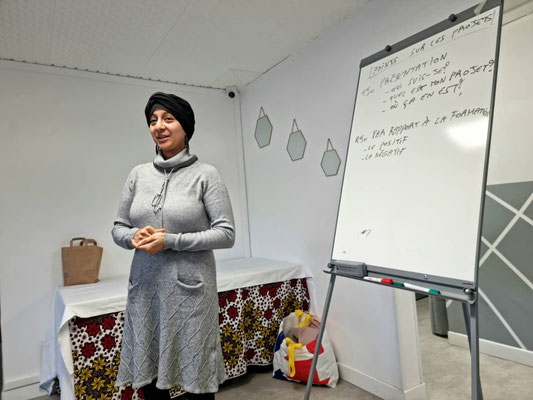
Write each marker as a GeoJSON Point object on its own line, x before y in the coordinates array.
{"type": "Point", "coordinates": [263, 129]}
{"type": "Point", "coordinates": [330, 161]}
{"type": "Point", "coordinates": [296, 143]}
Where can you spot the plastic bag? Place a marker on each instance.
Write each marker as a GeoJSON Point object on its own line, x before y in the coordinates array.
{"type": "Point", "coordinates": [292, 359]}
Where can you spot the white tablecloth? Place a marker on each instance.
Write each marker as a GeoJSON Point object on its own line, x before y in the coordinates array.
{"type": "Point", "coordinates": [110, 295]}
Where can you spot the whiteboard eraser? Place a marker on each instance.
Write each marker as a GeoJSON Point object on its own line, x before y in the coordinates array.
{"type": "Point", "coordinates": [355, 269]}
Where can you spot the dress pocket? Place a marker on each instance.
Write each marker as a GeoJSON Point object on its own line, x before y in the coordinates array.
{"type": "Point", "coordinates": [189, 283]}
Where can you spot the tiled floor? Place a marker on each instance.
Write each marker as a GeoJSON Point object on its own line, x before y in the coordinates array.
{"type": "Point", "coordinates": [446, 369]}
{"type": "Point", "coordinates": [264, 387]}
{"type": "Point", "coordinates": [446, 373]}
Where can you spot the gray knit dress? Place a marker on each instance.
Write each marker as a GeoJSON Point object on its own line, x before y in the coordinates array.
{"type": "Point", "coordinates": [171, 330]}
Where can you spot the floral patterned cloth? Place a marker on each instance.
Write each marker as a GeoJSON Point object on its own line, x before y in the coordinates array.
{"type": "Point", "coordinates": [249, 321]}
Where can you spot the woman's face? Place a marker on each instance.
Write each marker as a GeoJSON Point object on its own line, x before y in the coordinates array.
{"type": "Point", "coordinates": [167, 133]}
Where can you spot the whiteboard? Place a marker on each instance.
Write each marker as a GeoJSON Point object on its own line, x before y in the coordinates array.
{"type": "Point", "coordinates": [415, 169]}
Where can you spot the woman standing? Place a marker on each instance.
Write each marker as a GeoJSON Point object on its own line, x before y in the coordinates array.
{"type": "Point", "coordinates": [174, 212]}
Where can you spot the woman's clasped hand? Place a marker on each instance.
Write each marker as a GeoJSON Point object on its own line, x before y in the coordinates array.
{"type": "Point", "coordinates": [149, 239]}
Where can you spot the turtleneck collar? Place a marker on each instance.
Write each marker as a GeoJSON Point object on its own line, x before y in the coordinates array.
{"type": "Point", "coordinates": [180, 160]}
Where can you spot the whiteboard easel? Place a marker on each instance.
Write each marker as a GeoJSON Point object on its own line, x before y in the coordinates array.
{"type": "Point", "coordinates": [414, 182]}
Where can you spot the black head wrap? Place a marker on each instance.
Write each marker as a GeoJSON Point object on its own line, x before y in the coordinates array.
{"type": "Point", "coordinates": [178, 107]}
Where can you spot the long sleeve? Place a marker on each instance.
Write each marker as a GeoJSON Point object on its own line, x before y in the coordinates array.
{"type": "Point", "coordinates": [123, 230]}
{"type": "Point", "coordinates": [219, 212]}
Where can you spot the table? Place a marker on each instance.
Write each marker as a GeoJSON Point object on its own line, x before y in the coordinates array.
{"type": "Point", "coordinates": [82, 345]}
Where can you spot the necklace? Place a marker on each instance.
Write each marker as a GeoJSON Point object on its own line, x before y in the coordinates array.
{"type": "Point", "coordinates": [159, 198]}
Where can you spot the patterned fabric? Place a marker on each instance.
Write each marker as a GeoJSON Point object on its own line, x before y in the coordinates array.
{"type": "Point", "coordinates": [249, 322]}
{"type": "Point", "coordinates": [96, 354]}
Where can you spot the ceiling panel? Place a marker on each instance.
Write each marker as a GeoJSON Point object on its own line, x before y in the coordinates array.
{"type": "Point", "coordinates": [117, 36]}
{"type": "Point", "coordinates": [213, 43]}
{"type": "Point", "coordinates": [219, 36]}
{"type": "Point", "coordinates": [25, 30]}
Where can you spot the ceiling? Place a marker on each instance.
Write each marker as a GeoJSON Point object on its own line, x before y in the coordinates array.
{"type": "Point", "coordinates": [209, 43]}
{"type": "Point", "coordinates": [212, 43]}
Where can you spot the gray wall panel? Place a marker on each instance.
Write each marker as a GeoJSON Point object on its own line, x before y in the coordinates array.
{"type": "Point", "coordinates": [529, 211]}
{"type": "Point", "coordinates": [483, 249]}
{"type": "Point", "coordinates": [456, 321]}
{"type": "Point", "coordinates": [515, 194]}
{"type": "Point", "coordinates": [517, 247]}
{"type": "Point", "coordinates": [490, 327]}
{"type": "Point", "coordinates": [495, 219]}
{"type": "Point", "coordinates": [510, 295]}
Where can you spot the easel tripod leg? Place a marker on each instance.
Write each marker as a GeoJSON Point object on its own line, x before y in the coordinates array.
{"type": "Point", "coordinates": [319, 337]}
{"type": "Point", "coordinates": [472, 330]}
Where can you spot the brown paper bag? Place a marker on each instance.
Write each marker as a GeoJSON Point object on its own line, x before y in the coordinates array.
{"type": "Point", "coordinates": [81, 263]}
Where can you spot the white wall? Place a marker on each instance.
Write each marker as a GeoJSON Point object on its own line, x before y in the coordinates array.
{"type": "Point", "coordinates": [512, 141]}
{"type": "Point", "coordinates": [293, 206]}
{"type": "Point", "coordinates": [67, 142]}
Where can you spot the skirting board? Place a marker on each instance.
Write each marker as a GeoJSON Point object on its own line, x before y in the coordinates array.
{"type": "Point", "coordinates": [380, 388]}
{"type": "Point", "coordinates": [494, 349]}
{"type": "Point", "coordinates": [24, 392]}
{"type": "Point", "coordinates": [20, 382]}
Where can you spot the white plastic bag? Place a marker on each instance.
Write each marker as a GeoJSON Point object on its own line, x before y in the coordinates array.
{"type": "Point", "coordinates": [292, 360]}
